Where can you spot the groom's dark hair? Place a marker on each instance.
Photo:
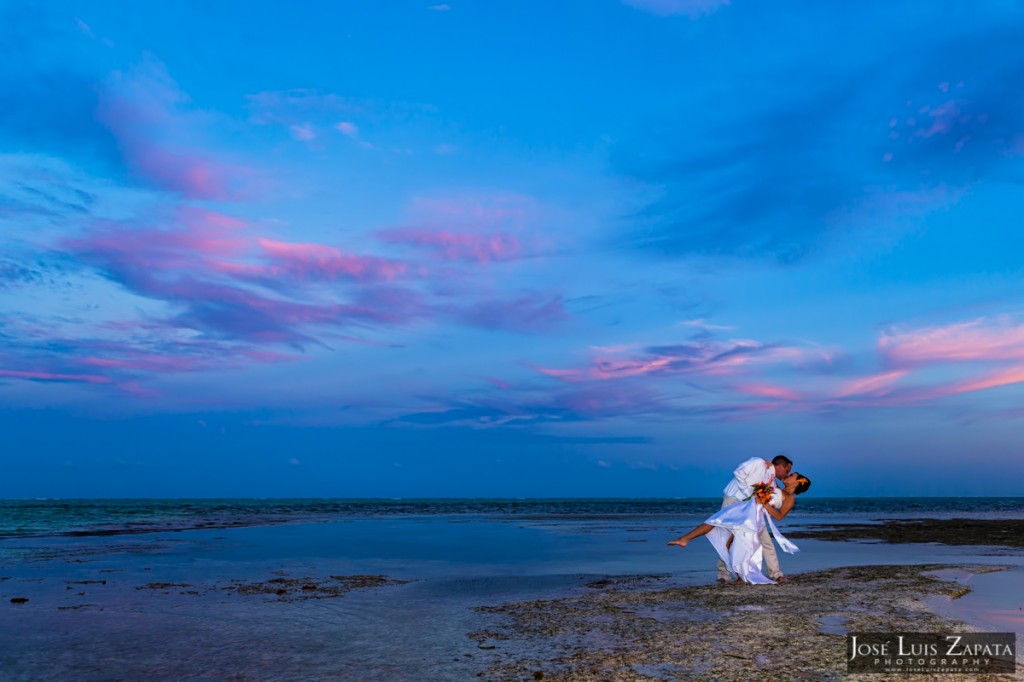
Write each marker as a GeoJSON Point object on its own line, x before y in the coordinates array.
{"type": "Point", "coordinates": [783, 460]}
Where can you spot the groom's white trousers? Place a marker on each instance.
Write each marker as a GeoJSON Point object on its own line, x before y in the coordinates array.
{"type": "Point", "coordinates": [771, 558]}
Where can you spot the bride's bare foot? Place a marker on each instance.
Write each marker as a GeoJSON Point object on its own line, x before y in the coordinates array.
{"type": "Point", "coordinates": [681, 542]}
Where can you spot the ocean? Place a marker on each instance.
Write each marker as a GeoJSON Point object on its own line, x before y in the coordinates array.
{"type": "Point", "coordinates": [357, 589]}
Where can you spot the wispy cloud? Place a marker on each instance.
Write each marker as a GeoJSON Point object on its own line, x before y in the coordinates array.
{"type": "Point", "coordinates": [289, 107]}
{"type": "Point", "coordinates": [703, 356]}
{"type": "Point", "coordinates": [979, 340]}
{"type": "Point", "coordinates": [159, 135]}
{"type": "Point", "coordinates": [780, 169]}
{"type": "Point", "coordinates": [303, 112]}
{"type": "Point", "coordinates": [303, 132]}
{"type": "Point", "coordinates": [530, 312]}
{"type": "Point", "coordinates": [221, 292]}
{"type": "Point", "coordinates": [347, 129]}
{"type": "Point", "coordinates": [480, 229]}
{"type": "Point", "coordinates": [231, 283]}
{"type": "Point", "coordinates": [54, 376]}
{"type": "Point", "coordinates": [449, 245]}
{"type": "Point", "coordinates": [306, 262]}
{"type": "Point", "coordinates": [690, 8]}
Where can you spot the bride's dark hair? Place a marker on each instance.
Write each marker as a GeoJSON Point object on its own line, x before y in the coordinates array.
{"type": "Point", "coordinates": [802, 483]}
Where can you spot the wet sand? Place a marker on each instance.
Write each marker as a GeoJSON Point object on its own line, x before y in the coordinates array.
{"type": "Point", "coordinates": [635, 630]}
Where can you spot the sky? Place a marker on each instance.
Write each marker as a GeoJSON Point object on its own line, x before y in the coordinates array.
{"type": "Point", "coordinates": [509, 249]}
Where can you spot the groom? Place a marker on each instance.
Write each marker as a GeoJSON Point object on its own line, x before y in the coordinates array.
{"type": "Point", "coordinates": [756, 470]}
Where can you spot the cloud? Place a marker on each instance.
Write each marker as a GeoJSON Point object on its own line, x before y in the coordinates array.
{"type": "Point", "coordinates": [53, 376]}
{"type": "Point", "coordinates": [351, 130]}
{"type": "Point", "coordinates": [690, 8]}
{"type": "Point", "coordinates": [876, 384]}
{"type": "Point", "coordinates": [14, 274]}
{"type": "Point", "coordinates": [159, 135]}
{"type": "Point", "coordinates": [528, 313]}
{"type": "Point", "coordinates": [348, 129]}
{"type": "Point", "coordinates": [303, 132]}
{"type": "Point", "coordinates": [118, 356]}
{"type": "Point", "coordinates": [300, 109]}
{"type": "Point", "coordinates": [85, 29]}
{"type": "Point", "coordinates": [231, 284]}
{"type": "Point", "coordinates": [979, 340]}
{"type": "Point", "coordinates": [449, 245]}
{"type": "Point", "coordinates": [223, 280]}
{"type": "Point", "coordinates": [770, 391]}
{"type": "Point", "coordinates": [479, 229]}
{"type": "Point", "coordinates": [292, 106]}
{"type": "Point", "coordinates": [326, 263]}
{"type": "Point", "coordinates": [784, 165]}
{"type": "Point", "coordinates": [525, 407]}
{"type": "Point", "coordinates": [702, 356]}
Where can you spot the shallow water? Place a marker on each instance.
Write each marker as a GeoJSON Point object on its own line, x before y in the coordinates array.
{"type": "Point", "coordinates": [75, 628]}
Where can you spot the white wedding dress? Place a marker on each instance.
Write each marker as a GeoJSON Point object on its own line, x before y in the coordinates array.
{"type": "Point", "coordinates": [744, 521]}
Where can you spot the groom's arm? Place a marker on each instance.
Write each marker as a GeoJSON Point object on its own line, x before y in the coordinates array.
{"type": "Point", "coordinates": [750, 472]}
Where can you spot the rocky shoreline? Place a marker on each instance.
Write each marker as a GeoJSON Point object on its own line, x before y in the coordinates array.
{"type": "Point", "coordinates": [636, 629]}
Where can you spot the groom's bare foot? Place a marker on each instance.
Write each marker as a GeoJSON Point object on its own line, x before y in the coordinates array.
{"type": "Point", "coordinates": [681, 542]}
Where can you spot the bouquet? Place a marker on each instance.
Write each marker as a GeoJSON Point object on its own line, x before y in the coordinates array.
{"type": "Point", "coordinates": [762, 493]}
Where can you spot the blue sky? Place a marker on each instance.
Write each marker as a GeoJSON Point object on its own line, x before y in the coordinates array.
{"type": "Point", "coordinates": [509, 248]}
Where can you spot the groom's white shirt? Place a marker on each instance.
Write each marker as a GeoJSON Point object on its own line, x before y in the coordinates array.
{"type": "Point", "coordinates": [754, 470]}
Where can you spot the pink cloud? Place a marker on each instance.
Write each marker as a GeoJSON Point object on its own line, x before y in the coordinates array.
{"type": "Point", "coordinates": [770, 391]}
{"type": "Point", "coordinates": [348, 129]}
{"type": "Point", "coordinates": [158, 136]}
{"type": "Point", "coordinates": [872, 385]}
{"type": "Point", "coordinates": [191, 175]}
{"type": "Point", "coordinates": [944, 118]}
{"type": "Point", "coordinates": [231, 284]}
{"type": "Point", "coordinates": [303, 132]}
{"type": "Point", "coordinates": [1003, 377]}
{"type": "Point", "coordinates": [468, 246]}
{"type": "Point", "coordinates": [980, 340]}
{"type": "Point", "coordinates": [317, 261]}
{"type": "Point", "coordinates": [706, 357]}
{"type": "Point", "coordinates": [479, 229]}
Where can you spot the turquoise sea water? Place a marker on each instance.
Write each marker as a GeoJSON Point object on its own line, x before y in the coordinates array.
{"type": "Point", "coordinates": [88, 567]}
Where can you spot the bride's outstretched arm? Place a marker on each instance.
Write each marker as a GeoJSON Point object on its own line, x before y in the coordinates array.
{"type": "Point", "coordinates": [779, 514]}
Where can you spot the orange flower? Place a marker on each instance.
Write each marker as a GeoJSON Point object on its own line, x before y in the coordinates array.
{"type": "Point", "coordinates": [762, 492]}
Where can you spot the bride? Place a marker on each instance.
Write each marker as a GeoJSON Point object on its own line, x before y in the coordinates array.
{"type": "Point", "coordinates": [734, 530]}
